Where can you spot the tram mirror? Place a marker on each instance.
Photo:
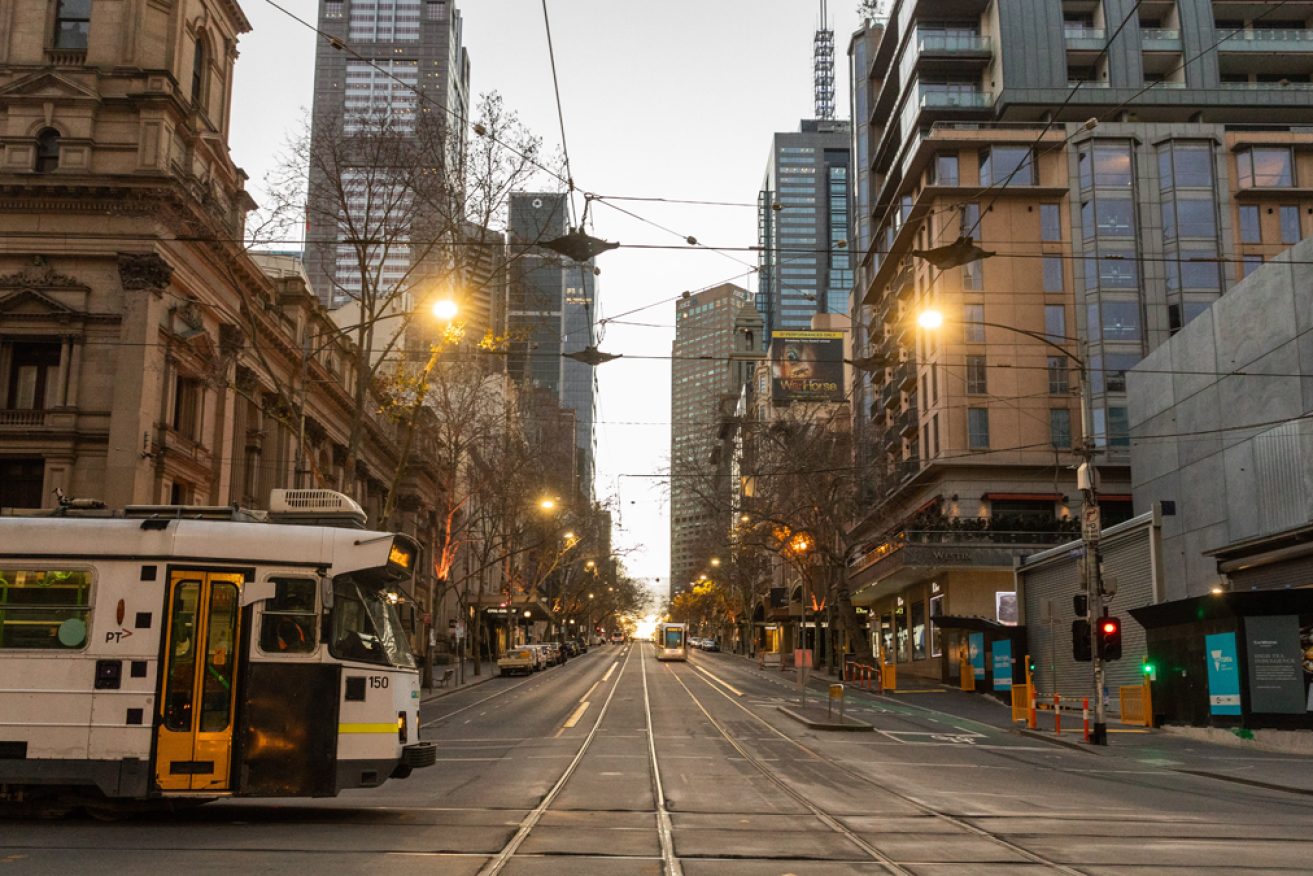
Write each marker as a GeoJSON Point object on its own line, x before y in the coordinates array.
{"type": "Point", "coordinates": [326, 591]}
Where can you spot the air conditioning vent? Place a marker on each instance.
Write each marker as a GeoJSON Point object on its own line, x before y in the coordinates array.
{"type": "Point", "coordinates": [315, 507]}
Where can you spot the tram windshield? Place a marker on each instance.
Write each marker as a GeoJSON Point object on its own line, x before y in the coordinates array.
{"type": "Point", "coordinates": [366, 626]}
{"type": "Point", "coordinates": [674, 637]}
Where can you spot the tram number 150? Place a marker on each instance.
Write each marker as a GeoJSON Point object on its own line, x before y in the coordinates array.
{"type": "Point", "coordinates": [378, 681]}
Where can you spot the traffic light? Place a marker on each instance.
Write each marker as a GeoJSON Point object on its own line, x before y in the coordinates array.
{"type": "Point", "coordinates": [1110, 638]}
{"type": "Point", "coordinates": [1080, 641]}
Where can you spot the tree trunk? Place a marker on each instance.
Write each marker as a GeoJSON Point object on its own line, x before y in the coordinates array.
{"type": "Point", "coordinates": [861, 643]}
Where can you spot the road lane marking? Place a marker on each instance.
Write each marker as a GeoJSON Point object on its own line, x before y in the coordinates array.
{"type": "Point", "coordinates": [609, 671]}
{"type": "Point", "coordinates": [665, 828]}
{"type": "Point", "coordinates": [578, 713]}
{"type": "Point", "coordinates": [590, 690]}
{"type": "Point", "coordinates": [720, 681]}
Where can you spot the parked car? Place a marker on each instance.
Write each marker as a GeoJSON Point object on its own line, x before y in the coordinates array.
{"type": "Point", "coordinates": [557, 653]}
{"type": "Point", "coordinates": [581, 644]}
{"type": "Point", "coordinates": [518, 661]}
{"type": "Point", "coordinates": [571, 647]}
{"type": "Point", "coordinates": [539, 657]}
{"type": "Point", "coordinates": [710, 645]}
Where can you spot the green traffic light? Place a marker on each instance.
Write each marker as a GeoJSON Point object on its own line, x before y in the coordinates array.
{"type": "Point", "coordinates": [1147, 668]}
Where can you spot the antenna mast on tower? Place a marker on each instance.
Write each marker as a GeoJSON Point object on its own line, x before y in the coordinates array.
{"type": "Point", "coordinates": [823, 67]}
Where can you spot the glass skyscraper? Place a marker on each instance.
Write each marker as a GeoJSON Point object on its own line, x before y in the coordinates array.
{"type": "Point", "coordinates": [802, 216]}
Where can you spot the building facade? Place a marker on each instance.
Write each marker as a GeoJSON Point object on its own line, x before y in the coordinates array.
{"type": "Point", "coordinates": [408, 61]}
{"type": "Point", "coordinates": [550, 310]}
{"type": "Point", "coordinates": [802, 213]}
{"type": "Point", "coordinates": [1126, 176]}
{"type": "Point", "coordinates": [712, 327]}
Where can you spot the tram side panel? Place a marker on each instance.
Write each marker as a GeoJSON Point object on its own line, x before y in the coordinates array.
{"type": "Point", "coordinates": [288, 739]}
{"type": "Point", "coordinates": [379, 716]}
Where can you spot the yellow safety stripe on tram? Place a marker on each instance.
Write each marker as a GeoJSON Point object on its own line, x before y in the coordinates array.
{"type": "Point", "coordinates": [367, 728]}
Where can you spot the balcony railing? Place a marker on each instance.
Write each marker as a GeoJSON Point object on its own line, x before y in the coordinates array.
{"type": "Point", "coordinates": [1087, 84]}
{"type": "Point", "coordinates": [21, 419]}
{"type": "Point", "coordinates": [1084, 33]}
{"type": "Point", "coordinates": [985, 537]}
{"type": "Point", "coordinates": [940, 43]}
{"type": "Point", "coordinates": [1157, 33]}
{"type": "Point", "coordinates": [1266, 86]}
{"type": "Point", "coordinates": [962, 99]}
{"type": "Point", "coordinates": [1272, 36]}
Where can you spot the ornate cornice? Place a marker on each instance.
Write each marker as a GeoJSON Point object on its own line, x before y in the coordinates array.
{"type": "Point", "coordinates": [138, 271]}
{"type": "Point", "coordinates": [39, 275]}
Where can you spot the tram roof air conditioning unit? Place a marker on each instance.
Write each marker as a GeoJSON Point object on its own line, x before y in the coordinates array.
{"type": "Point", "coordinates": [316, 508]}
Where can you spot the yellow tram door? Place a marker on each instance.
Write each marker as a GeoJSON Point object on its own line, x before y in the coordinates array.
{"type": "Point", "coordinates": [194, 744]}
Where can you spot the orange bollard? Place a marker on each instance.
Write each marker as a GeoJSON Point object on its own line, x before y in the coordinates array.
{"type": "Point", "coordinates": [1057, 714]}
{"type": "Point", "coordinates": [1034, 721]}
{"type": "Point", "coordinates": [1085, 708]}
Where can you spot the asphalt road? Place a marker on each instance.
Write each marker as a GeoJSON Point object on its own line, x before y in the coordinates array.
{"type": "Point", "coordinates": [618, 764]}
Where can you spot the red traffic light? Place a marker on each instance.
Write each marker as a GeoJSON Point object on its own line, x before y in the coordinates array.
{"type": "Point", "coordinates": [1109, 626]}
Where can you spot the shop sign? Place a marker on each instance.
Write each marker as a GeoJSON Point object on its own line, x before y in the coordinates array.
{"type": "Point", "coordinates": [1276, 672]}
{"type": "Point", "coordinates": [1223, 674]}
{"type": "Point", "coordinates": [1003, 665]}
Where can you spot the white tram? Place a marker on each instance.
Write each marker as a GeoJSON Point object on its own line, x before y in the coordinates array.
{"type": "Point", "coordinates": [671, 641]}
{"type": "Point", "coordinates": [187, 652]}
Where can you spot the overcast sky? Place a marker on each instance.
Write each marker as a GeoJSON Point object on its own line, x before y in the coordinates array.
{"type": "Point", "coordinates": [676, 99]}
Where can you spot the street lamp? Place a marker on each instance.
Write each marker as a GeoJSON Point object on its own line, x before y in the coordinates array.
{"type": "Point", "coordinates": [1086, 482]}
{"type": "Point", "coordinates": [547, 504]}
{"type": "Point", "coordinates": [445, 309]}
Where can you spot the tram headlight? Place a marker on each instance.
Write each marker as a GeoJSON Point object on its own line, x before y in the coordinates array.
{"type": "Point", "coordinates": [401, 727]}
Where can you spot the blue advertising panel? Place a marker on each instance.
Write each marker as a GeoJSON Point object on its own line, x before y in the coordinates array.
{"type": "Point", "coordinates": [1223, 674]}
{"type": "Point", "coordinates": [1003, 665]}
{"type": "Point", "coordinates": [976, 654]}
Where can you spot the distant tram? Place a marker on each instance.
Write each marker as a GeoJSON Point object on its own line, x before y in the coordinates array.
{"type": "Point", "coordinates": [671, 642]}
{"type": "Point", "coordinates": [191, 653]}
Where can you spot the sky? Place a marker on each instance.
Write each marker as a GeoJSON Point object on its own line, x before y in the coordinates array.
{"type": "Point", "coordinates": [675, 100]}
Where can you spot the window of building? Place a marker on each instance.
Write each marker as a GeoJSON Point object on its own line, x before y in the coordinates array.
{"type": "Point", "coordinates": [936, 610]}
{"type": "Point", "coordinates": [934, 383]}
{"type": "Point", "coordinates": [47, 150]}
{"type": "Point", "coordinates": [72, 24]}
{"type": "Point", "coordinates": [45, 609]}
{"type": "Point", "coordinates": [1115, 367]}
{"type": "Point", "coordinates": [976, 380]}
{"type": "Point", "coordinates": [1105, 163]}
{"type": "Point", "coordinates": [1290, 224]}
{"type": "Point", "coordinates": [1251, 230]}
{"type": "Point", "coordinates": [1055, 322]}
{"type": "Point", "coordinates": [973, 278]}
{"type": "Point", "coordinates": [1113, 269]}
{"type": "Point", "coordinates": [1007, 165]}
{"type": "Point", "coordinates": [22, 483]}
{"type": "Point", "coordinates": [1020, 511]}
{"type": "Point", "coordinates": [1265, 166]}
{"type": "Point", "coordinates": [945, 170]}
{"type": "Point", "coordinates": [971, 221]}
{"type": "Point", "coordinates": [198, 72]}
{"type": "Point", "coordinates": [187, 407]}
{"type": "Point", "coordinates": [916, 620]}
{"type": "Point", "coordinates": [1119, 427]}
{"type": "Point", "coordinates": [973, 323]}
{"type": "Point", "coordinates": [1050, 222]}
{"type": "Point", "coordinates": [1052, 273]}
{"type": "Point", "coordinates": [1250, 264]}
{"type": "Point", "coordinates": [978, 428]}
{"type": "Point", "coordinates": [1121, 320]}
{"type": "Point", "coordinates": [33, 377]}
{"type": "Point", "coordinates": [1058, 383]}
{"type": "Point", "coordinates": [1116, 218]}
{"type": "Point", "coordinates": [1060, 428]}
{"type": "Point", "coordinates": [1185, 165]}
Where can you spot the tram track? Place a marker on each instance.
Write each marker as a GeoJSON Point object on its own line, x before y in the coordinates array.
{"type": "Point", "coordinates": [832, 821]}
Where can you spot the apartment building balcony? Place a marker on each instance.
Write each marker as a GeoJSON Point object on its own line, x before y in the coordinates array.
{"type": "Point", "coordinates": [909, 422]}
{"type": "Point", "coordinates": [904, 376]}
{"type": "Point", "coordinates": [891, 396]}
{"type": "Point", "coordinates": [956, 99]}
{"type": "Point", "coordinates": [55, 418]}
{"type": "Point", "coordinates": [953, 46]}
{"type": "Point", "coordinates": [888, 565]}
{"type": "Point", "coordinates": [1160, 40]}
{"type": "Point", "coordinates": [903, 285]}
{"type": "Point", "coordinates": [1287, 85]}
{"type": "Point", "coordinates": [1085, 39]}
{"type": "Point", "coordinates": [891, 441]}
{"type": "Point", "coordinates": [1268, 41]}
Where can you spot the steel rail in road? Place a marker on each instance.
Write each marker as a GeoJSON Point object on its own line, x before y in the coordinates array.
{"type": "Point", "coordinates": [499, 861]}
{"type": "Point", "coordinates": [665, 830]}
{"type": "Point", "coordinates": [929, 810]}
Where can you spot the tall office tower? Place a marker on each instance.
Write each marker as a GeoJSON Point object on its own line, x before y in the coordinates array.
{"type": "Point", "coordinates": [709, 326]}
{"type": "Point", "coordinates": [1129, 163]}
{"type": "Point", "coordinates": [551, 308]}
{"type": "Point", "coordinates": [802, 210]}
{"type": "Point", "coordinates": [406, 60]}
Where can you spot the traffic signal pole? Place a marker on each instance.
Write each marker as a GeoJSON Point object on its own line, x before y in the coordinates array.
{"type": "Point", "coordinates": [1091, 525]}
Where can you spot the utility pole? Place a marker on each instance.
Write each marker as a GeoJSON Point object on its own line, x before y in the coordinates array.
{"type": "Point", "coordinates": [1091, 525]}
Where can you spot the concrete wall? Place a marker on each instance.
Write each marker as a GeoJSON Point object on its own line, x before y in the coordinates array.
{"type": "Point", "coordinates": [1225, 458]}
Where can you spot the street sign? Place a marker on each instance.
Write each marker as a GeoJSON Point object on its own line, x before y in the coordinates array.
{"type": "Point", "coordinates": [426, 618]}
{"type": "Point", "coordinates": [1089, 523]}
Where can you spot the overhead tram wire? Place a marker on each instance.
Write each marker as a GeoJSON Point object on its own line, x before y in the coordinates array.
{"type": "Point", "coordinates": [560, 113]}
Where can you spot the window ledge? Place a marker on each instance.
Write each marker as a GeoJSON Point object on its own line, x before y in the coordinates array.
{"type": "Point", "coordinates": [66, 57]}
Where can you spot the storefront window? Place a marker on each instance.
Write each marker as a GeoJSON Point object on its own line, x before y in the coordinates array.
{"type": "Point", "coordinates": [917, 623]}
{"type": "Point", "coordinates": [887, 637]}
{"type": "Point", "coordinates": [936, 636]}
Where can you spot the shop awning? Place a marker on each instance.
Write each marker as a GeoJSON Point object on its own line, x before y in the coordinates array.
{"type": "Point", "coordinates": [1247, 603]}
{"type": "Point", "coordinates": [980, 625]}
{"type": "Point", "coordinates": [1027, 497]}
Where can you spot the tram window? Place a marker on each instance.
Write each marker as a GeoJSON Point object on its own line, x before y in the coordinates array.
{"type": "Point", "coordinates": [44, 609]}
{"type": "Point", "coordinates": [365, 626]}
{"type": "Point", "coordinates": [290, 622]}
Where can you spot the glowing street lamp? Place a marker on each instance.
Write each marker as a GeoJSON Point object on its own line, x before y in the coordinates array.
{"type": "Point", "coordinates": [547, 504]}
{"type": "Point", "coordinates": [445, 309]}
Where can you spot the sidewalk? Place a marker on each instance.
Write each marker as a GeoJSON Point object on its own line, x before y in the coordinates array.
{"type": "Point", "coordinates": [488, 670]}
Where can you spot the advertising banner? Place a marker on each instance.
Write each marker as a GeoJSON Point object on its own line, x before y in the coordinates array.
{"type": "Point", "coordinates": [1276, 671]}
{"type": "Point", "coordinates": [1003, 665]}
{"type": "Point", "coordinates": [976, 654]}
{"type": "Point", "coordinates": [1223, 674]}
{"type": "Point", "coordinates": [806, 366]}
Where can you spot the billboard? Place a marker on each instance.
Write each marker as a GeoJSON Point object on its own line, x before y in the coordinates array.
{"type": "Point", "coordinates": [806, 366]}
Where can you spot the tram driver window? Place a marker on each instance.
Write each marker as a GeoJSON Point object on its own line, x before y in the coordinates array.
{"type": "Point", "coordinates": [290, 623]}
